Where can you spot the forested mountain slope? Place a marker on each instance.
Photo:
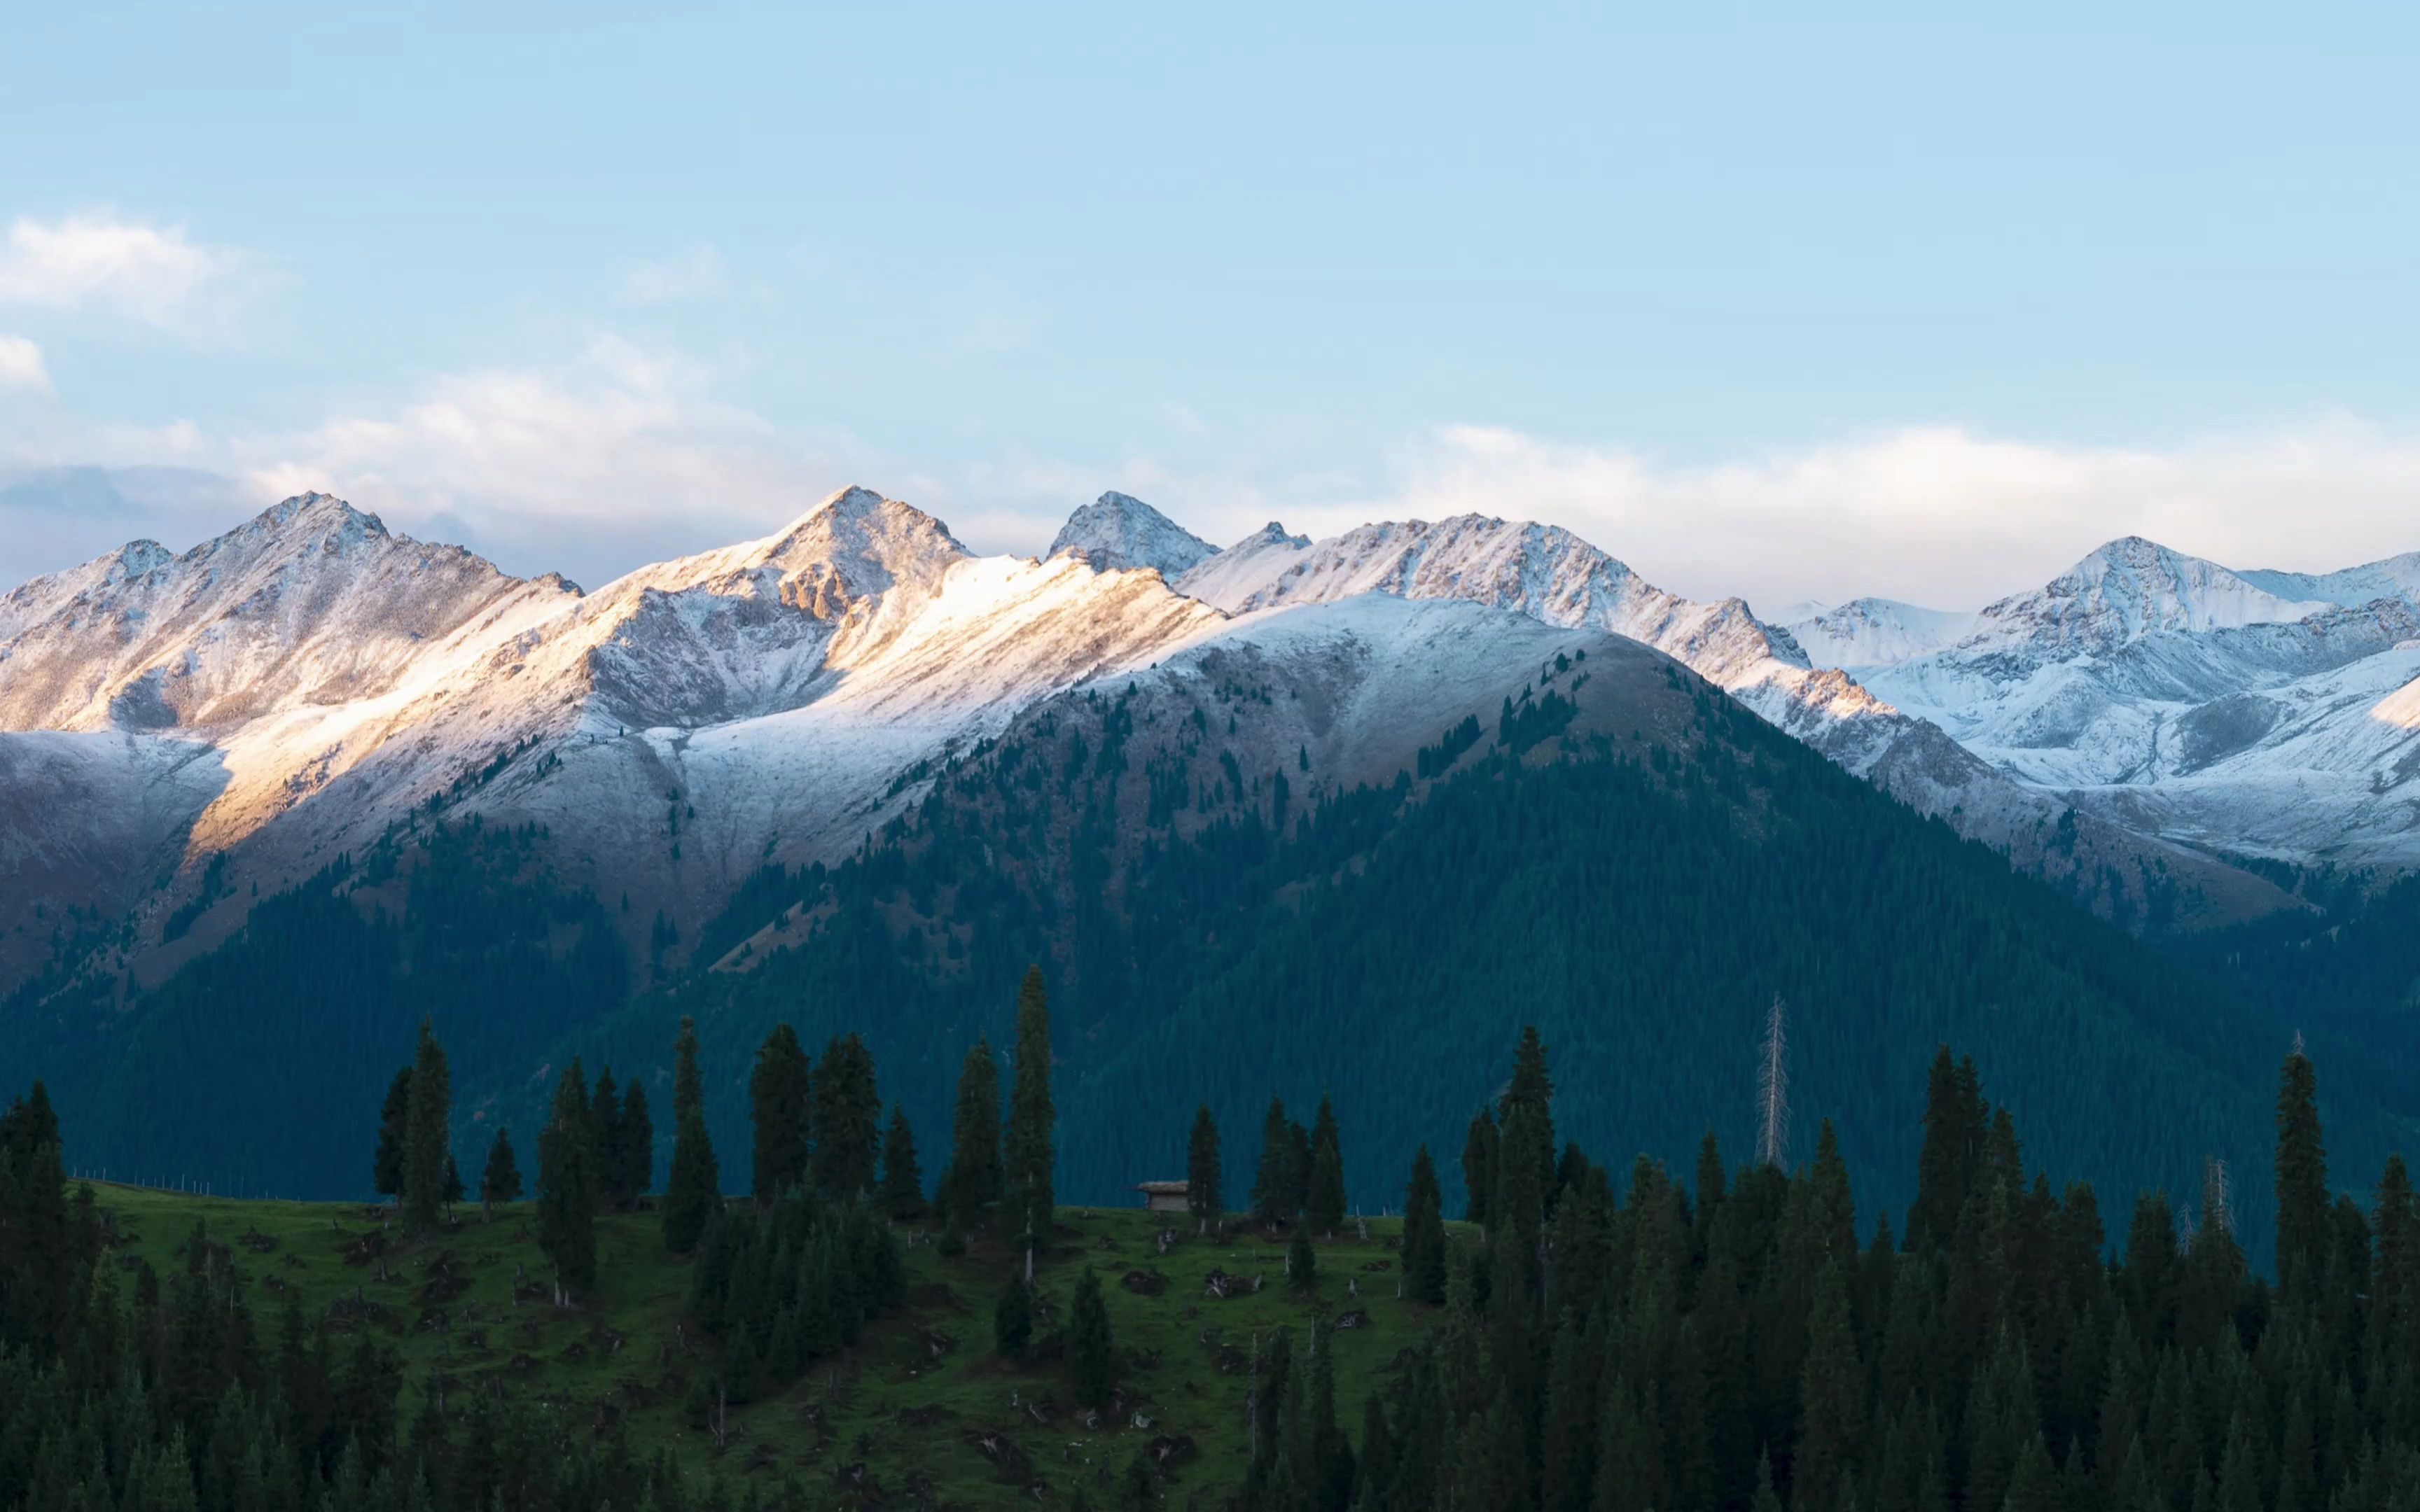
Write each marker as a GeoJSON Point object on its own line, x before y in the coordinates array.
{"type": "Point", "coordinates": [1620, 855]}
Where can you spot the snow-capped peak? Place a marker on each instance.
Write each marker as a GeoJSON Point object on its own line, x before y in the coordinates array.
{"type": "Point", "coordinates": [2392, 578]}
{"type": "Point", "coordinates": [1118, 531]}
{"type": "Point", "coordinates": [2123, 591]}
{"type": "Point", "coordinates": [1874, 632]}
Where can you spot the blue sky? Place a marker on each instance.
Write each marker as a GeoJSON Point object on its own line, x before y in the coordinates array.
{"type": "Point", "coordinates": [1916, 301]}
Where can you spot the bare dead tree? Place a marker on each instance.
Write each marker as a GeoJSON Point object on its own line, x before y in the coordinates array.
{"type": "Point", "coordinates": [1773, 1091]}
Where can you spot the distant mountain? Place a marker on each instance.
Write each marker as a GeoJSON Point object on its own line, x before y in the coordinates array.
{"type": "Point", "coordinates": [309, 685]}
{"type": "Point", "coordinates": [1873, 632]}
{"type": "Point", "coordinates": [2173, 697]}
{"type": "Point", "coordinates": [1117, 531]}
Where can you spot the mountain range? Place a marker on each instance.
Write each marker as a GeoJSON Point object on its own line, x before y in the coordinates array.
{"type": "Point", "coordinates": [854, 761]}
{"type": "Point", "coordinates": [182, 728]}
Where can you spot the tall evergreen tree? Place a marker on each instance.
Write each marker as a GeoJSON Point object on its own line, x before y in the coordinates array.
{"type": "Point", "coordinates": [1323, 1201]}
{"type": "Point", "coordinates": [1478, 1170]}
{"type": "Point", "coordinates": [847, 1123]}
{"type": "Point", "coordinates": [638, 1173]}
{"type": "Point", "coordinates": [426, 1133]}
{"type": "Point", "coordinates": [1032, 1148]}
{"type": "Point", "coordinates": [395, 1123]}
{"type": "Point", "coordinates": [778, 1092]}
{"type": "Point", "coordinates": [1092, 1348]}
{"type": "Point", "coordinates": [973, 1181]}
{"type": "Point", "coordinates": [903, 1183]}
{"type": "Point", "coordinates": [501, 1181]}
{"type": "Point", "coordinates": [608, 1158]}
{"type": "Point", "coordinates": [1202, 1196]}
{"type": "Point", "coordinates": [1953, 1146]}
{"type": "Point", "coordinates": [693, 1189]}
{"type": "Point", "coordinates": [1532, 1089]}
{"type": "Point", "coordinates": [1273, 1178]}
{"type": "Point", "coordinates": [1424, 1240]}
{"type": "Point", "coordinates": [1012, 1318]}
{"type": "Point", "coordinates": [567, 1184]}
{"type": "Point", "coordinates": [2304, 1236]}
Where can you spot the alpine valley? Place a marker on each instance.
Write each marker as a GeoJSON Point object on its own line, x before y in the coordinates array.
{"type": "Point", "coordinates": [1311, 814]}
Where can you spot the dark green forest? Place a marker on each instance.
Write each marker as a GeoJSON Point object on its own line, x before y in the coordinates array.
{"type": "Point", "coordinates": [1642, 877]}
{"type": "Point", "coordinates": [1593, 1342]}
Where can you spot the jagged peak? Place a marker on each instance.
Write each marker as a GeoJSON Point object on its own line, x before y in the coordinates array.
{"type": "Point", "coordinates": [1273, 533]}
{"type": "Point", "coordinates": [313, 507]}
{"type": "Point", "coordinates": [1119, 532]}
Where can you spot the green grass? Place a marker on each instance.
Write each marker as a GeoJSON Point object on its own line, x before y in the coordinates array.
{"type": "Point", "coordinates": [915, 1419]}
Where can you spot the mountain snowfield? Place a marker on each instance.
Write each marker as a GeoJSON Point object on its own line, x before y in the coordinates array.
{"type": "Point", "coordinates": [178, 729]}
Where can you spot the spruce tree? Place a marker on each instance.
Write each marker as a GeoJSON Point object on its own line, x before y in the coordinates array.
{"type": "Point", "coordinates": [973, 1181]}
{"type": "Point", "coordinates": [1478, 1170]}
{"type": "Point", "coordinates": [1092, 1350]}
{"type": "Point", "coordinates": [847, 1120]}
{"type": "Point", "coordinates": [638, 1173]}
{"type": "Point", "coordinates": [778, 1092]}
{"type": "Point", "coordinates": [607, 1158]}
{"type": "Point", "coordinates": [693, 1188]}
{"type": "Point", "coordinates": [1012, 1318]}
{"type": "Point", "coordinates": [1203, 1196]}
{"type": "Point", "coordinates": [1031, 1153]}
{"type": "Point", "coordinates": [1424, 1240]}
{"type": "Point", "coordinates": [395, 1120]}
{"type": "Point", "coordinates": [2304, 1235]}
{"type": "Point", "coordinates": [1953, 1145]}
{"type": "Point", "coordinates": [1270, 1178]}
{"type": "Point", "coordinates": [501, 1181]}
{"type": "Point", "coordinates": [1325, 1198]}
{"type": "Point", "coordinates": [1531, 1088]}
{"type": "Point", "coordinates": [425, 1129]}
{"type": "Point", "coordinates": [903, 1183]}
{"type": "Point", "coordinates": [567, 1184]}
{"type": "Point", "coordinates": [1297, 1168]}
{"type": "Point", "coordinates": [1302, 1261]}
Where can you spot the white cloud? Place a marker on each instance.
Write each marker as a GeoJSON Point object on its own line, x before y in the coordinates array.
{"type": "Point", "coordinates": [692, 274]}
{"type": "Point", "coordinates": [148, 274]}
{"type": "Point", "coordinates": [591, 469]}
{"type": "Point", "coordinates": [22, 368]}
{"type": "Point", "coordinates": [1937, 514]}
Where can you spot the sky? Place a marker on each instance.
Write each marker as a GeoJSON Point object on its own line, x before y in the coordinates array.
{"type": "Point", "coordinates": [1917, 301]}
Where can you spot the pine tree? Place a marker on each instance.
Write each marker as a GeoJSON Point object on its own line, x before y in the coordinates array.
{"type": "Point", "coordinates": [1012, 1318]}
{"type": "Point", "coordinates": [1953, 1142]}
{"type": "Point", "coordinates": [693, 1189]}
{"type": "Point", "coordinates": [1202, 1196]}
{"type": "Point", "coordinates": [1425, 1241]}
{"type": "Point", "coordinates": [2304, 1235]}
{"type": "Point", "coordinates": [1298, 1167]}
{"type": "Point", "coordinates": [567, 1184]}
{"type": "Point", "coordinates": [847, 1125]}
{"type": "Point", "coordinates": [1478, 1170]}
{"type": "Point", "coordinates": [1532, 1089]}
{"type": "Point", "coordinates": [903, 1183]}
{"type": "Point", "coordinates": [638, 1174]}
{"type": "Point", "coordinates": [607, 1156]}
{"type": "Point", "coordinates": [1271, 1179]}
{"type": "Point", "coordinates": [1092, 1350]}
{"type": "Point", "coordinates": [426, 1131]}
{"type": "Point", "coordinates": [1302, 1261]}
{"type": "Point", "coordinates": [778, 1092]}
{"type": "Point", "coordinates": [501, 1181]}
{"type": "Point", "coordinates": [395, 1118]}
{"type": "Point", "coordinates": [1031, 1153]}
{"type": "Point", "coordinates": [973, 1181]}
{"type": "Point", "coordinates": [1831, 1392]}
{"type": "Point", "coordinates": [1324, 1200]}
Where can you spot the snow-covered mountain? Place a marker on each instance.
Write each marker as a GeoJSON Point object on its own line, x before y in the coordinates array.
{"type": "Point", "coordinates": [2239, 713]}
{"type": "Point", "coordinates": [1870, 632]}
{"type": "Point", "coordinates": [176, 728]}
{"type": "Point", "coordinates": [1117, 531]}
